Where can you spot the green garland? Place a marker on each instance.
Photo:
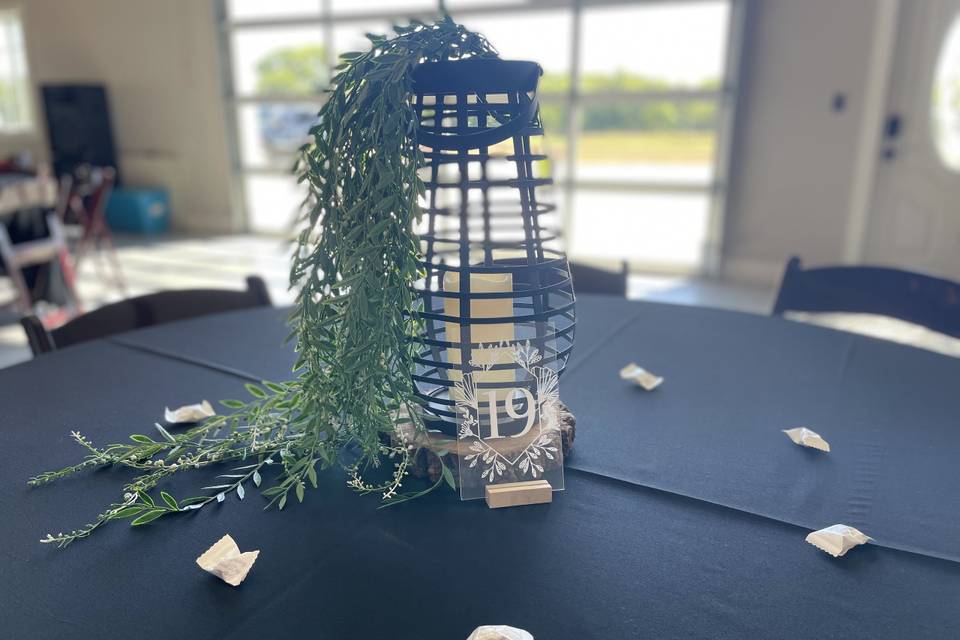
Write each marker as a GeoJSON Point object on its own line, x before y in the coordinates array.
{"type": "Point", "coordinates": [355, 263]}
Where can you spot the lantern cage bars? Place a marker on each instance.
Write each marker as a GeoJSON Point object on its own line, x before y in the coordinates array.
{"type": "Point", "coordinates": [495, 272]}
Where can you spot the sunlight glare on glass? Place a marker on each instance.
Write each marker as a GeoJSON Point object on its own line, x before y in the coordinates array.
{"type": "Point", "coordinates": [272, 203]}
{"type": "Point", "coordinates": [673, 45]}
{"type": "Point", "coordinates": [397, 7]}
{"type": "Point", "coordinates": [945, 102]}
{"type": "Point", "coordinates": [261, 10]}
{"type": "Point", "coordinates": [665, 230]}
{"type": "Point", "coordinates": [351, 36]}
{"type": "Point", "coordinates": [522, 36]}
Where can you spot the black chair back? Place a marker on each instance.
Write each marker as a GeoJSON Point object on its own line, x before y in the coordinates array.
{"type": "Point", "coordinates": [144, 311]}
{"type": "Point", "coordinates": [588, 279]}
{"type": "Point", "coordinates": [921, 299]}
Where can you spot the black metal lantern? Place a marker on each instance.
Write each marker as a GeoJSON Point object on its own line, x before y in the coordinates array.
{"type": "Point", "coordinates": [495, 272]}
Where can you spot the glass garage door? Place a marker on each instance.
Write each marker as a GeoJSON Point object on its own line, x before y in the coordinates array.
{"type": "Point", "coordinates": [636, 98]}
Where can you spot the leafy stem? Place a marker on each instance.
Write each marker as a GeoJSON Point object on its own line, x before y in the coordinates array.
{"type": "Point", "coordinates": [354, 266]}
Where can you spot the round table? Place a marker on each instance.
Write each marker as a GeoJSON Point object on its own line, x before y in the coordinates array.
{"type": "Point", "coordinates": [684, 513]}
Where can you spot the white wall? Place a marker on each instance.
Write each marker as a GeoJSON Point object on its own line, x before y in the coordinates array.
{"type": "Point", "coordinates": [159, 62]}
{"type": "Point", "coordinates": [795, 158]}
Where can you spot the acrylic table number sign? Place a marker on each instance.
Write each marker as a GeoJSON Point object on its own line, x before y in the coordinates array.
{"type": "Point", "coordinates": [508, 435]}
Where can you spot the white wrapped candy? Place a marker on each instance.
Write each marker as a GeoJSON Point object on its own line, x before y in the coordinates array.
{"type": "Point", "coordinates": [807, 438]}
{"type": "Point", "coordinates": [499, 632]}
{"type": "Point", "coordinates": [225, 561]}
{"type": "Point", "coordinates": [837, 539]}
{"type": "Point", "coordinates": [641, 377]}
{"type": "Point", "coordinates": [189, 413]}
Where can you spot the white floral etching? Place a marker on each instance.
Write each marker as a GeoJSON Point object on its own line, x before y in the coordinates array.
{"type": "Point", "coordinates": [543, 449]}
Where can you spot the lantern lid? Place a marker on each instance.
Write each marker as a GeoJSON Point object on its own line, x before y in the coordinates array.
{"type": "Point", "coordinates": [482, 75]}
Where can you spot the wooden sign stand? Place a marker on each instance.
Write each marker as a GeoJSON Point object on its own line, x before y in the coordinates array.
{"type": "Point", "coordinates": [515, 494]}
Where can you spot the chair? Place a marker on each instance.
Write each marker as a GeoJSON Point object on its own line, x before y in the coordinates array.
{"type": "Point", "coordinates": [588, 279]}
{"type": "Point", "coordinates": [17, 257]}
{"type": "Point", "coordinates": [143, 311]}
{"type": "Point", "coordinates": [83, 199]}
{"type": "Point", "coordinates": [921, 299]}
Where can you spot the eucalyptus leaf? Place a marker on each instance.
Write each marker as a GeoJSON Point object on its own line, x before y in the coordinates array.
{"type": "Point", "coordinates": [126, 512]}
{"type": "Point", "coordinates": [276, 388]}
{"type": "Point", "coordinates": [448, 477]}
{"type": "Point", "coordinates": [149, 516]}
{"type": "Point", "coordinates": [255, 391]}
{"type": "Point", "coordinates": [165, 433]}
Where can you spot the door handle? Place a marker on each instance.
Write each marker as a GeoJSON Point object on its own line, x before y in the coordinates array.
{"type": "Point", "coordinates": [891, 131]}
{"type": "Point", "coordinates": [893, 126]}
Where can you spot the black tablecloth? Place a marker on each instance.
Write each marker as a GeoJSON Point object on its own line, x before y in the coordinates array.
{"type": "Point", "coordinates": [620, 554]}
{"type": "Point", "coordinates": [713, 430]}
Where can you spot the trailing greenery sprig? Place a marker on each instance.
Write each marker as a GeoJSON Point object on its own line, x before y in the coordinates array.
{"type": "Point", "coordinates": [355, 264]}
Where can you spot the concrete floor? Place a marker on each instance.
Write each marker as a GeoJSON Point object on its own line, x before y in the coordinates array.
{"type": "Point", "coordinates": [224, 261]}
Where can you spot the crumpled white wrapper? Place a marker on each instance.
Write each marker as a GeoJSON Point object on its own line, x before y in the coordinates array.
{"type": "Point", "coordinates": [225, 561]}
{"type": "Point", "coordinates": [499, 632]}
{"type": "Point", "coordinates": [807, 438]}
{"type": "Point", "coordinates": [189, 413]}
{"type": "Point", "coordinates": [837, 539]}
{"type": "Point", "coordinates": [641, 376]}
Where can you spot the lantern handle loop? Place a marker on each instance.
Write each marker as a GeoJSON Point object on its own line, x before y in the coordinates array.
{"type": "Point", "coordinates": [483, 138]}
{"type": "Point", "coordinates": [480, 77]}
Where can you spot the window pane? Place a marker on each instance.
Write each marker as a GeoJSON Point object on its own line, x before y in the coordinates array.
{"type": "Point", "coordinates": [400, 7]}
{"type": "Point", "coordinates": [464, 6]}
{"type": "Point", "coordinates": [666, 230]}
{"type": "Point", "coordinates": [945, 106]}
{"type": "Point", "coordinates": [271, 132]}
{"type": "Point", "coordinates": [654, 47]}
{"type": "Point", "coordinates": [259, 9]}
{"type": "Point", "coordinates": [14, 80]}
{"type": "Point", "coordinates": [521, 36]}
{"type": "Point", "coordinates": [647, 141]}
{"type": "Point", "coordinates": [351, 36]}
{"type": "Point", "coordinates": [510, 34]}
{"type": "Point", "coordinates": [553, 115]}
{"type": "Point", "coordinates": [273, 202]}
{"type": "Point", "coordinates": [288, 61]}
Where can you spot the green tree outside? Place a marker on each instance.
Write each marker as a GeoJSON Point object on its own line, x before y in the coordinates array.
{"type": "Point", "coordinates": [293, 71]}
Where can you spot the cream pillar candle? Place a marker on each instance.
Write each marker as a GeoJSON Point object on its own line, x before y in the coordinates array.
{"type": "Point", "coordinates": [480, 308]}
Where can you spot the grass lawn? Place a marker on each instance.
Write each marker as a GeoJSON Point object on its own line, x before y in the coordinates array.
{"type": "Point", "coordinates": [640, 147]}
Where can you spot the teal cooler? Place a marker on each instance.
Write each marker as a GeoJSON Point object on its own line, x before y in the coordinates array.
{"type": "Point", "coordinates": [139, 210]}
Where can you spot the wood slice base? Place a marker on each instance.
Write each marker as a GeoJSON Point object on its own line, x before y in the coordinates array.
{"type": "Point", "coordinates": [426, 463]}
{"type": "Point", "coordinates": [518, 494]}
